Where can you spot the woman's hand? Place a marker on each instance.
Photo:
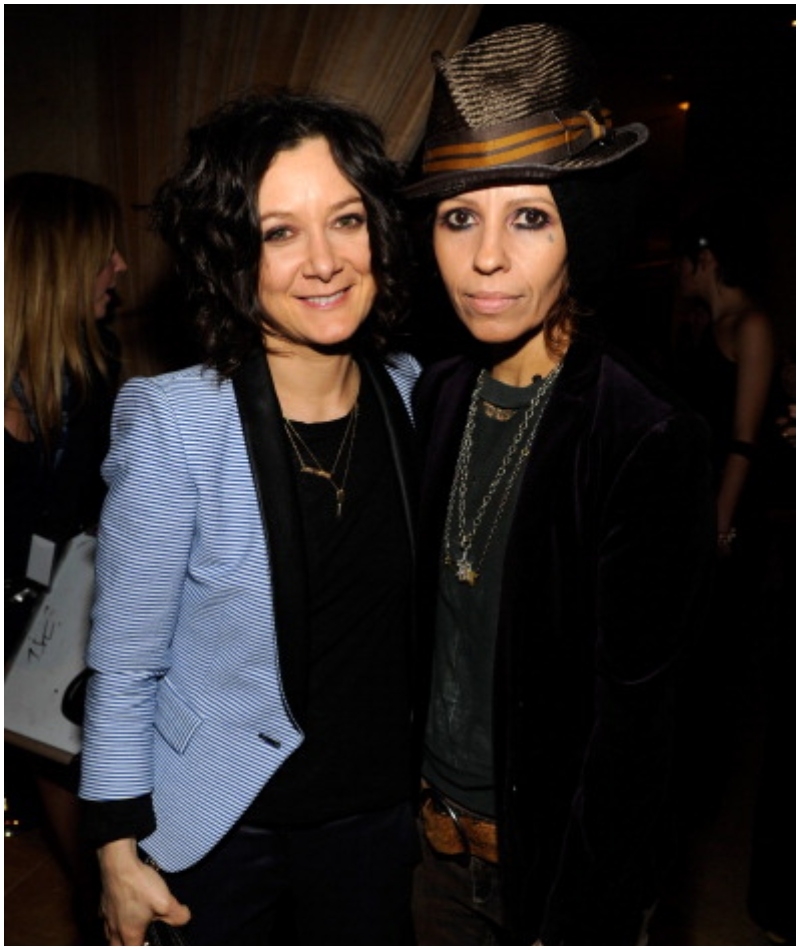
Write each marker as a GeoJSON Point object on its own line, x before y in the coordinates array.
{"type": "Point", "coordinates": [133, 895]}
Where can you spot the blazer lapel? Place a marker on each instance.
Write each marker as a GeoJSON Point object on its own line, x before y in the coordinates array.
{"type": "Point", "coordinates": [402, 441]}
{"type": "Point", "coordinates": [443, 402]}
{"type": "Point", "coordinates": [564, 416]}
{"type": "Point", "coordinates": [446, 414]}
{"type": "Point", "coordinates": [276, 488]}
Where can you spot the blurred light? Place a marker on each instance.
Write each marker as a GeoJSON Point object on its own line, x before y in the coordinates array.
{"type": "Point", "coordinates": [684, 106]}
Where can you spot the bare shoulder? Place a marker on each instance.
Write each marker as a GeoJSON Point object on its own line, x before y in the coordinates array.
{"type": "Point", "coordinates": [753, 333]}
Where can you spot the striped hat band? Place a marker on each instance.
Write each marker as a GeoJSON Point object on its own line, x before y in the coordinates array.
{"type": "Point", "coordinates": [544, 138]}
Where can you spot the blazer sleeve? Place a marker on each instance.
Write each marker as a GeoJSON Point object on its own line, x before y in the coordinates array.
{"type": "Point", "coordinates": [144, 539]}
{"type": "Point", "coordinates": [654, 558]}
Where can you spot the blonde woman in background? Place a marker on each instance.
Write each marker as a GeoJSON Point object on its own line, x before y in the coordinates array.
{"type": "Point", "coordinates": [62, 261]}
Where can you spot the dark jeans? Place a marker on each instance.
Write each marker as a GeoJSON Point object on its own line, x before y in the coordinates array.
{"type": "Point", "coordinates": [345, 882]}
{"type": "Point", "coordinates": [457, 902]}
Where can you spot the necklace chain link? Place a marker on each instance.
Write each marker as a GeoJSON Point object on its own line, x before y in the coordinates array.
{"type": "Point", "coordinates": [466, 568]}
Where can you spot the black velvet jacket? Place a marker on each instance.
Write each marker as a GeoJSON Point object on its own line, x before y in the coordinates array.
{"type": "Point", "coordinates": [606, 575]}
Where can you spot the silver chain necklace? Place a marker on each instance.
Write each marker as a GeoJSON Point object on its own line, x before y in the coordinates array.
{"type": "Point", "coordinates": [462, 560]}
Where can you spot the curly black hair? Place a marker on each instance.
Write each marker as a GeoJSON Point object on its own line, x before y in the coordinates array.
{"type": "Point", "coordinates": [208, 214]}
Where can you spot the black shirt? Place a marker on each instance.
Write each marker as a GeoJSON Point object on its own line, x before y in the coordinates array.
{"type": "Point", "coordinates": [459, 748]}
{"type": "Point", "coordinates": [357, 752]}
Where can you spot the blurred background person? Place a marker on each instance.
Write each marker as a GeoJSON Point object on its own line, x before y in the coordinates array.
{"type": "Point", "coordinates": [726, 357]}
{"type": "Point", "coordinates": [62, 262]}
{"type": "Point", "coordinates": [724, 363]}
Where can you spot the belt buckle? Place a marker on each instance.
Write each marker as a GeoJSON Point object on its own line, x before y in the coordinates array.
{"type": "Point", "coordinates": [443, 807]}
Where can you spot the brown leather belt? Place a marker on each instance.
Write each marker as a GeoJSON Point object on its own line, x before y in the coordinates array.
{"type": "Point", "coordinates": [451, 829]}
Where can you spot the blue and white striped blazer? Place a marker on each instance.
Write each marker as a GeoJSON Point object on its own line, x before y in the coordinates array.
{"type": "Point", "coordinates": [198, 586]}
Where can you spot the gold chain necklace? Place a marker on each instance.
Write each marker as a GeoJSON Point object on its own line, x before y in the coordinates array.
{"type": "Point", "coordinates": [311, 465]}
{"type": "Point", "coordinates": [466, 566]}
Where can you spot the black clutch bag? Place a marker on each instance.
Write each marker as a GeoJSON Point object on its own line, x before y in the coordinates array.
{"type": "Point", "coordinates": [159, 934]}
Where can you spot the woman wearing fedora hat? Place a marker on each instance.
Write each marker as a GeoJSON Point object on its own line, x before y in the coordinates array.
{"type": "Point", "coordinates": [567, 525]}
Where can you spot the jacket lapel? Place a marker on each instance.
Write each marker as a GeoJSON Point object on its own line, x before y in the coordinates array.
{"type": "Point", "coordinates": [443, 404]}
{"type": "Point", "coordinates": [402, 440]}
{"type": "Point", "coordinates": [275, 483]}
{"type": "Point", "coordinates": [554, 444]}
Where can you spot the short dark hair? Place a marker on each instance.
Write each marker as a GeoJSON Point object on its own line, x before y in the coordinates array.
{"type": "Point", "coordinates": [208, 213]}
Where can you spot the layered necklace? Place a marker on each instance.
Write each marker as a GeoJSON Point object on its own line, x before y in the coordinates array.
{"type": "Point", "coordinates": [311, 465]}
{"type": "Point", "coordinates": [464, 552]}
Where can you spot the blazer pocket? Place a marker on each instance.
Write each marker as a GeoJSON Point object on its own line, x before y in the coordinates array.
{"type": "Point", "coordinates": [175, 721]}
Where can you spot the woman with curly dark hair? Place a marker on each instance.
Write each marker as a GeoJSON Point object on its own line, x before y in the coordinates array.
{"type": "Point", "coordinates": [247, 725]}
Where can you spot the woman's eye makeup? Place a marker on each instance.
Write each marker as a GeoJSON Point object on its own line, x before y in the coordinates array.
{"type": "Point", "coordinates": [525, 219]}
{"type": "Point", "coordinates": [531, 219]}
{"type": "Point", "coordinates": [456, 219]}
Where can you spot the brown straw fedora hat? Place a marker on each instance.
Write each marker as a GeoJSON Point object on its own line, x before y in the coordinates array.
{"type": "Point", "coordinates": [518, 105]}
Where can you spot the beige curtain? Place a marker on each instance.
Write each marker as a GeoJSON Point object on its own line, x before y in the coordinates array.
{"type": "Point", "coordinates": [377, 56]}
{"type": "Point", "coordinates": [107, 93]}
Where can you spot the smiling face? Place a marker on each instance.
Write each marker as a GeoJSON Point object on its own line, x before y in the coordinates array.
{"type": "Point", "coordinates": [502, 254]}
{"type": "Point", "coordinates": [315, 277]}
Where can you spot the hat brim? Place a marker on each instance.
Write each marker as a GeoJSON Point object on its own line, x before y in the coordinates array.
{"type": "Point", "coordinates": [621, 142]}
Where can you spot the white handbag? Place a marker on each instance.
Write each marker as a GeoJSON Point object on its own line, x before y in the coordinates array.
{"type": "Point", "coordinates": [51, 658]}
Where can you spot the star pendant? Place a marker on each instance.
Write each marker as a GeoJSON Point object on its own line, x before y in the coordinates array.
{"type": "Point", "coordinates": [465, 572]}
